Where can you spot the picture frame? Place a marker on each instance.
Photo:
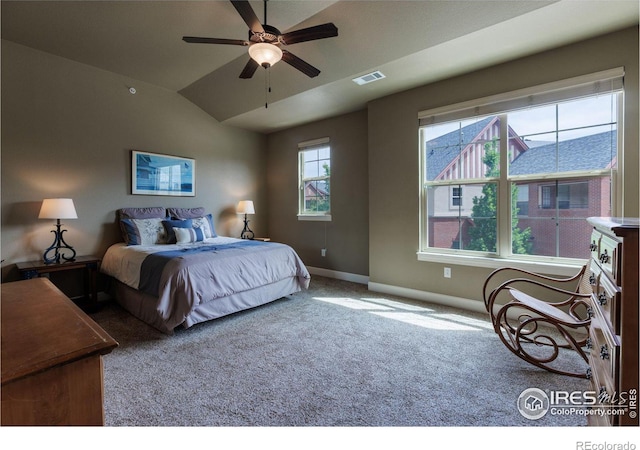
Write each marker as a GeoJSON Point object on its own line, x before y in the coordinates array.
{"type": "Point", "coordinates": [158, 174]}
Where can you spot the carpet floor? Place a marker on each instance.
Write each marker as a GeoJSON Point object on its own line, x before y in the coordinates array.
{"type": "Point", "coordinates": [336, 355]}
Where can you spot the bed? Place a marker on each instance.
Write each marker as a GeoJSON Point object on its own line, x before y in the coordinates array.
{"type": "Point", "coordinates": [173, 270]}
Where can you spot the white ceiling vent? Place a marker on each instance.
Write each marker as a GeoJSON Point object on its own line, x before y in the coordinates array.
{"type": "Point", "coordinates": [369, 78]}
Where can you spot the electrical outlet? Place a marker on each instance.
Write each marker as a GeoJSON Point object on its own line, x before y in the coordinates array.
{"type": "Point", "coordinates": [323, 252]}
{"type": "Point", "coordinates": [447, 272]}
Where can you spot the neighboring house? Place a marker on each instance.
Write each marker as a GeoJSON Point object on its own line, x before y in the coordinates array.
{"type": "Point", "coordinates": [459, 154]}
{"type": "Point", "coordinates": [572, 199]}
{"type": "Point", "coordinates": [456, 155]}
{"type": "Point", "coordinates": [315, 193]}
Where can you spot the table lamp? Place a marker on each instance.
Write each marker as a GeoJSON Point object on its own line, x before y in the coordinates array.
{"type": "Point", "coordinates": [246, 207]}
{"type": "Point", "coordinates": [58, 208]}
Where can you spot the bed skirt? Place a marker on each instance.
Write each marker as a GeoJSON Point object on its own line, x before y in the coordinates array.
{"type": "Point", "coordinates": [145, 307]}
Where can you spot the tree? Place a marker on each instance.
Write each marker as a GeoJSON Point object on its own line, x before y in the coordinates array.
{"type": "Point", "coordinates": [483, 231]}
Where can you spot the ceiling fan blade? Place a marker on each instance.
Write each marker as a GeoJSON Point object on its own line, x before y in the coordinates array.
{"type": "Point", "coordinates": [249, 69]}
{"type": "Point", "coordinates": [299, 64]}
{"type": "Point", "coordinates": [323, 31]}
{"type": "Point", "coordinates": [204, 40]}
{"type": "Point", "coordinates": [248, 15]}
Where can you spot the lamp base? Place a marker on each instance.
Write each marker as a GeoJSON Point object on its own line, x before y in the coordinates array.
{"type": "Point", "coordinates": [246, 232]}
{"type": "Point", "coordinates": [58, 244]}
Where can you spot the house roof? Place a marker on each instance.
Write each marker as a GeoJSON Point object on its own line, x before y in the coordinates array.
{"type": "Point", "coordinates": [444, 149]}
{"type": "Point", "coordinates": [585, 153]}
{"type": "Point", "coordinates": [320, 187]}
{"type": "Point", "coordinates": [580, 154]}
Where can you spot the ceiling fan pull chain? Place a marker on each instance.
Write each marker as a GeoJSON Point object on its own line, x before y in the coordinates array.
{"type": "Point", "coordinates": [267, 88]}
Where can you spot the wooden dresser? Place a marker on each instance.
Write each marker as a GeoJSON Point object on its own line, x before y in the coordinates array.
{"type": "Point", "coordinates": [51, 358]}
{"type": "Point", "coordinates": [613, 335]}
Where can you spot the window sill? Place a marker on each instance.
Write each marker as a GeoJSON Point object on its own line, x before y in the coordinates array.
{"type": "Point", "coordinates": [568, 268]}
{"type": "Point", "coordinates": [315, 217]}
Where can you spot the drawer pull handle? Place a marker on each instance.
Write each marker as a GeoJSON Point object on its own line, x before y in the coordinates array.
{"type": "Point", "coordinates": [604, 257]}
{"type": "Point", "coordinates": [589, 373]}
{"type": "Point", "coordinates": [602, 299]}
{"type": "Point", "coordinates": [589, 312]}
{"type": "Point", "coordinates": [592, 279]}
{"type": "Point", "coordinates": [604, 352]}
{"type": "Point", "coordinates": [588, 343]}
{"type": "Point", "coordinates": [593, 247]}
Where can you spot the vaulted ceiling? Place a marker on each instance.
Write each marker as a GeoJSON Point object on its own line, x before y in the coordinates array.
{"type": "Point", "coordinates": [411, 42]}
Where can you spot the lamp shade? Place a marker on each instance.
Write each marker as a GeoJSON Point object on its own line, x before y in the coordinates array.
{"type": "Point", "coordinates": [57, 208]}
{"type": "Point", "coordinates": [265, 54]}
{"type": "Point", "coordinates": [245, 207]}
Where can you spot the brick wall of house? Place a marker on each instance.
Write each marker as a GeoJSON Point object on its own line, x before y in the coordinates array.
{"type": "Point", "coordinates": [570, 234]}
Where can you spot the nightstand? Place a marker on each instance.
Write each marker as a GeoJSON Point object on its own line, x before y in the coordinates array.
{"type": "Point", "coordinates": [88, 264]}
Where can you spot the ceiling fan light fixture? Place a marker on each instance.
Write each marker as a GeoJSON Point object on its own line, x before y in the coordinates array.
{"type": "Point", "coordinates": [265, 54]}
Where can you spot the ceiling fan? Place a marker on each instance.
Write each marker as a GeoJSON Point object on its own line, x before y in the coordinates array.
{"type": "Point", "coordinates": [265, 41]}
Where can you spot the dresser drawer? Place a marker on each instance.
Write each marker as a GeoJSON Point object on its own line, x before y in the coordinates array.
{"type": "Point", "coordinates": [609, 257]}
{"type": "Point", "coordinates": [602, 387]}
{"type": "Point", "coordinates": [607, 296]}
{"type": "Point", "coordinates": [604, 349]}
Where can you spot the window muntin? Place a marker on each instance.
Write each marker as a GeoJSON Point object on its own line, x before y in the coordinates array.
{"type": "Point", "coordinates": [315, 180]}
{"type": "Point", "coordinates": [564, 154]}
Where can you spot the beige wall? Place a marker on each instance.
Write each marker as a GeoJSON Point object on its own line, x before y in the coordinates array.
{"type": "Point", "coordinates": [346, 237]}
{"type": "Point", "coordinates": [68, 129]}
{"type": "Point", "coordinates": [393, 154]}
{"type": "Point", "coordinates": [383, 178]}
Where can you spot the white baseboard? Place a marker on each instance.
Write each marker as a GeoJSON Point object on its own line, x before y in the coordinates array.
{"type": "Point", "coordinates": [346, 276]}
{"type": "Point", "coordinates": [431, 297]}
{"type": "Point", "coordinates": [467, 304]}
{"type": "Point", "coordinates": [442, 299]}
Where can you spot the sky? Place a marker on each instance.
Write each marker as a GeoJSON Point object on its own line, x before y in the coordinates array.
{"type": "Point", "coordinates": [540, 122]}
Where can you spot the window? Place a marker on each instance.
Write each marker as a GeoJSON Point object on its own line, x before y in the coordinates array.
{"type": "Point", "coordinates": [456, 196]}
{"type": "Point", "coordinates": [522, 202]}
{"type": "Point", "coordinates": [314, 162]}
{"type": "Point", "coordinates": [521, 179]}
{"type": "Point", "coordinates": [564, 195]}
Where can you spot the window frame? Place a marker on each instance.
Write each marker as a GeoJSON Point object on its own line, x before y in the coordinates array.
{"type": "Point", "coordinates": [605, 82]}
{"type": "Point", "coordinates": [303, 214]}
{"type": "Point", "coordinates": [456, 197]}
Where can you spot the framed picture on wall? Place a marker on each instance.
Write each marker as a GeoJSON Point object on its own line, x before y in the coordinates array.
{"type": "Point", "coordinates": [155, 174]}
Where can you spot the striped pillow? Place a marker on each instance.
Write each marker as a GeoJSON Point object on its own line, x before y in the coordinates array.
{"type": "Point", "coordinates": [188, 235]}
